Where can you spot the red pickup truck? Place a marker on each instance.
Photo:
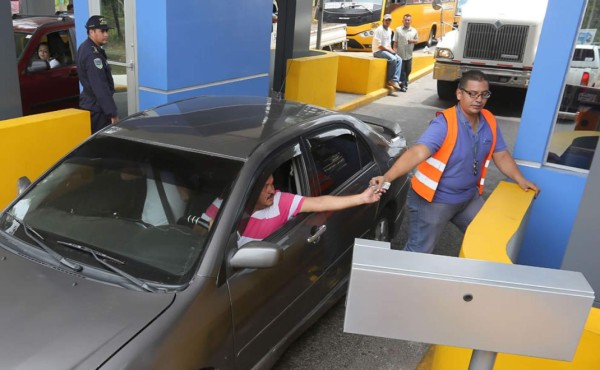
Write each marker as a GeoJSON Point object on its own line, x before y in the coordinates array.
{"type": "Point", "coordinates": [46, 86]}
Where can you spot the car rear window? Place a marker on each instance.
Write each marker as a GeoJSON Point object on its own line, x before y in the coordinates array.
{"type": "Point", "coordinates": [338, 155]}
{"type": "Point", "coordinates": [583, 55]}
{"type": "Point", "coordinates": [21, 41]}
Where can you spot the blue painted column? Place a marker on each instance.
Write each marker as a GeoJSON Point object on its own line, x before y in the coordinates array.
{"type": "Point", "coordinates": [189, 48]}
{"type": "Point", "coordinates": [553, 212]}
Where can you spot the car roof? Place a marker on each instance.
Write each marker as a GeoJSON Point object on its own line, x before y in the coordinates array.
{"type": "Point", "coordinates": [226, 126]}
{"type": "Point", "coordinates": [29, 24]}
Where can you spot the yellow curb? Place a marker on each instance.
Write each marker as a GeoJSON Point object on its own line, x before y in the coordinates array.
{"type": "Point", "coordinates": [420, 73]}
{"type": "Point", "coordinates": [363, 100]}
{"type": "Point", "coordinates": [427, 360]}
{"type": "Point", "coordinates": [377, 94]}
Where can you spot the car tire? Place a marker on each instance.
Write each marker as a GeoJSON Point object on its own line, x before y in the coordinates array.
{"type": "Point", "coordinates": [431, 40]}
{"type": "Point", "coordinates": [384, 227]}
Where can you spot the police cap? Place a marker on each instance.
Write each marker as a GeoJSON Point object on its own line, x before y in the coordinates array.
{"type": "Point", "coordinates": [96, 22]}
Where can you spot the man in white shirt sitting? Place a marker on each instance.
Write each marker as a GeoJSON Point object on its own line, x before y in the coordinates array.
{"type": "Point", "coordinates": [382, 48]}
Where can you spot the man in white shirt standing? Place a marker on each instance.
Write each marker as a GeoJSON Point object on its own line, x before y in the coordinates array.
{"type": "Point", "coordinates": [382, 48]}
{"type": "Point", "coordinates": [405, 39]}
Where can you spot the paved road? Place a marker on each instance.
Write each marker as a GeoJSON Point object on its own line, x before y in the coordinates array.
{"type": "Point", "coordinates": [325, 345]}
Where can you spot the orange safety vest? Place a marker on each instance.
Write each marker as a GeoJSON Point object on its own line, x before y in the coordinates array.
{"type": "Point", "coordinates": [427, 177]}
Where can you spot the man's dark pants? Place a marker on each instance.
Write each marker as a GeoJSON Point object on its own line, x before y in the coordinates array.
{"type": "Point", "coordinates": [405, 72]}
{"type": "Point", "coordinates": [99, 121]}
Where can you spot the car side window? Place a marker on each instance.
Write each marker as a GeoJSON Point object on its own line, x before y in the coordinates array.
{"type": "Point", "coordinates": [58, 47]}
{"type": "Point", "coordinates": [275, 197]}
{"type": "Point", "coordinates": [338, 155]}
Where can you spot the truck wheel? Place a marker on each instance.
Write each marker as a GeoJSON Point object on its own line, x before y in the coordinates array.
{"type": "Point", "coordinates": [446, 89]}
{"type": "Point", "coordinates": [431, 39]}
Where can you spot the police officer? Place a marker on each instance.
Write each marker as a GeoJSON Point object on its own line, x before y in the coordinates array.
{"type": "Point", "coordinates": [95, 75]}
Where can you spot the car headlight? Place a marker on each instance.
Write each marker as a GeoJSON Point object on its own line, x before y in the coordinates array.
{"type": "Point", "coordinates": [367, 33]}
{"type": "Point", "coordinates": [443, 53]}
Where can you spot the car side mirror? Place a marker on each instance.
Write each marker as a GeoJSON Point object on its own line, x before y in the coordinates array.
{"type": "Point", "coordinates": [257, 255]}
{"type": "Point", "coordinates": [38, 65]}
{"type": "Point", "coordinates": [437, 4]}
{"type": "Point", "coordinates": [22, 184]}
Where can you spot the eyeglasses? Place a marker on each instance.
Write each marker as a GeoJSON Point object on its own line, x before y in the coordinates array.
{"type": "Point", "coordinates": [475, 94]}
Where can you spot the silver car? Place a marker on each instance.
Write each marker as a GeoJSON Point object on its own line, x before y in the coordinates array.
{"type": "Point", "coordinates": [107, 262]}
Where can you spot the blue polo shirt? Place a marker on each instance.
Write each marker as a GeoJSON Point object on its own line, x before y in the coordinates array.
{"type": "Point", "coordinates": [458, 184]}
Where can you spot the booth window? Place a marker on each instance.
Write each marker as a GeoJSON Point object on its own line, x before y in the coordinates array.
{"type": "Point", "coordinates": [575, 137]}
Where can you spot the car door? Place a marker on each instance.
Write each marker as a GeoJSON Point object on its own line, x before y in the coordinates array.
{"type": "Point", "coordinates": [342, 164]}
{"type": "Point", "coordinates": [269, 304]}
{"type": "Point", "coordinates": [51, 89]}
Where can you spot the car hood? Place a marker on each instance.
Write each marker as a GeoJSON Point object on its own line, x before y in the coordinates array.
{"type": "Point", "coordinates": [54, 319]}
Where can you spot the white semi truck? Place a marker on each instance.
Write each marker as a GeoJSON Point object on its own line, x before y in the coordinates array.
{"type": "Point", "coordinates": [497, 37]}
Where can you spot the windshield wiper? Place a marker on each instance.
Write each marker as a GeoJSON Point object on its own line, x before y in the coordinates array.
{"type": "Point", "coordinates": [40, 241]}
{"type": "Point", "coordinates": [101, 258]}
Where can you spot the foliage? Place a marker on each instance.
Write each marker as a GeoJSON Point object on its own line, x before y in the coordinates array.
{"type": "Point", "coordinates": [591, 19]}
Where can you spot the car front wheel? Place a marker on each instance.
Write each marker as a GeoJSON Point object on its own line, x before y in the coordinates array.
{"type": "Point", "coordinates": [384, 228]}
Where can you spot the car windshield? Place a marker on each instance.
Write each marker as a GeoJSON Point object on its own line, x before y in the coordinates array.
{"type": "Point", "coordinates": [21, 40]}
{"type": "Point", "coordinates": [138, 203]}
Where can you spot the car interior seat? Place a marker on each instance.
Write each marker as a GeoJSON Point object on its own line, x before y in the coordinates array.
{"type": "Point", "coordinates": [580, 153]}
{"type": "Point", "coordinates": [59, 50]}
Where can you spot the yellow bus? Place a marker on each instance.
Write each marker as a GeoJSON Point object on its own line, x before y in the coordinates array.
{"type": "Point", "coordinates": [362, 17]}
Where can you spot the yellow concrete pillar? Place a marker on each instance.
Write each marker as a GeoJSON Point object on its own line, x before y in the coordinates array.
{"type": "Point", "coordinates": [361, 75]}
{"type": "Point", "coordinates": [31, 144]}
{"type": "Point", "coordinates": [312, 79]}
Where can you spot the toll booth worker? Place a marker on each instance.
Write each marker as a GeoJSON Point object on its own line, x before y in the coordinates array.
{"type": "Point", "coordinates": [95, 75]}
{"type": "Point", "coordinates": [452, 158]}
{"type": "Point", "coordinates": [382, 48]}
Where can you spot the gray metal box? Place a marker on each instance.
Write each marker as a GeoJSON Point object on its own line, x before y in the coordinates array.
{"type": "Point", "coordinates": [459, 302]}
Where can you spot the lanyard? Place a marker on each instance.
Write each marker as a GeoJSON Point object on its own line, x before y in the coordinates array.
{"type": "Point", "coordinates": [474, 137]}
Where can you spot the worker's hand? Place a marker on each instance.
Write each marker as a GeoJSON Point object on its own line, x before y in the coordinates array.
{"type": "Point", "coordinates": [114, 119]}
{"type": "Point", "coordinates": [378, 184]}
{"type": "Point", "coordinates": [526, 185]}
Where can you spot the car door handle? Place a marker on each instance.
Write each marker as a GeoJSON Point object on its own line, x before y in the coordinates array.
{"type": "Point", "coordinates": [314, 238]}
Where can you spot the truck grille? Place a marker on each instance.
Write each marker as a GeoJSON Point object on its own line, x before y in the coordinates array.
{"type": "Point", "coordinates": [505, 43]}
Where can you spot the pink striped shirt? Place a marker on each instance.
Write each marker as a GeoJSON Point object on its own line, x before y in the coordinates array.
{"type": "Point", "coordinates": [266, 221]}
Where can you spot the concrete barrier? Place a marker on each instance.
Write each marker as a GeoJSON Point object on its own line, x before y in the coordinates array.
{"type": "Point", "coordinates": [505, 214]}
{"type": "Point", "coordinates": [31, 144]}
{"type": "Point", "coordinates": [422, 65]}
{"type": "Point", "coordinates": [312, 79]}
{"type": "Point", "coordinates": [360, 75]}
{"type": "Point", "coordinates": [494, 236]}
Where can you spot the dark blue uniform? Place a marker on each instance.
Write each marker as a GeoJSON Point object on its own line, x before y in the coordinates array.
{"type": "Point", "coordinates": [98, 85]}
